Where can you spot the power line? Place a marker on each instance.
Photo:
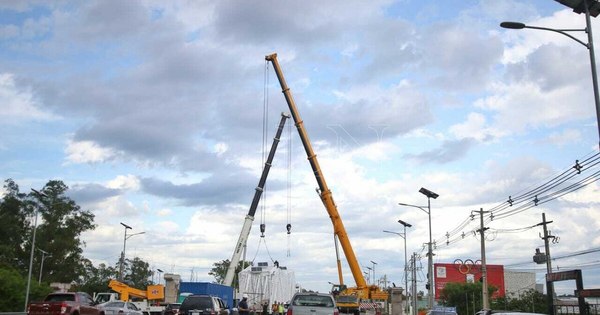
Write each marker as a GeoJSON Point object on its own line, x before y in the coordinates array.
{"type": "Point", "coordinates": [527, 199]}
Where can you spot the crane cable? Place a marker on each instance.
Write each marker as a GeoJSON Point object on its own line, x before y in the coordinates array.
{"type": "Point", "coordinates": [265, 123]}
{"type": "Point", "coordinates": [289, 189]}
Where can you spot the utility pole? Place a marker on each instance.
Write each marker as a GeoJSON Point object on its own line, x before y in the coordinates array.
{"type": "Point", "coordinates": [413, 264]}
{"type": "Point", "coordinates": [484, 289]}
{"type": "Point", "coordinates": [549, 284]}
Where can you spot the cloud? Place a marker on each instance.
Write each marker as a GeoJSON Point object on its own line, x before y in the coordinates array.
{"type": "Point", "coordinates": [19, 104]}
{"type": "Point", "coordinates": [87, 193]}
{"type": "Point", "coordinates": [474, 127]}
{"type": "Point", "coordinates": [219, 189]}
{"type": "Point", "coordinates": [467, 57]}
{"type": "Point", "coordinates": [87, 152]}
{"type": "Point", "coordinates": [565, 137]}
{"type": "Point", "coordinates": [449, 151]}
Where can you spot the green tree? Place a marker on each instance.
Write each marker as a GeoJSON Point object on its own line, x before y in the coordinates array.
{"type": "Point", "coordinates": [527, 301]}
{"type": "Point", "coordinates": [58, 233]}
{"type": "Point", "coordinates": [95, 279]}
{"type": "Point", "coordinates": [137, 273]}
{"type": "Point", "coordinates": [13, 228]}
{"type": "Point", "coordinates": [219, 270]}
{"type": "Point", "coordinates": [466, 297]}
{"type": "Point", "coordinates": [12, 290]}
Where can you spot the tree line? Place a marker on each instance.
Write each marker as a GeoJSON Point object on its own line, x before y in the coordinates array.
{"type": "Point", "coordinates": [58, 253]}
{"type": "Point", "coordinates": [467, 299]}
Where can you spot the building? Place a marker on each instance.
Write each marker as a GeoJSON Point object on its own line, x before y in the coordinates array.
{"type": "Point", "coordinates": [464, 273]}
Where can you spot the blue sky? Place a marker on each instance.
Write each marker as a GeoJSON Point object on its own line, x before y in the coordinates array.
{"type": "Point", "coordinates": [152, 114]}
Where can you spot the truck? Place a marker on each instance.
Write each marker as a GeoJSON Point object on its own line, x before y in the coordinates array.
{"type": "Point", "coordinates": [64, 303]}
{"type": "Point", "coordinates": [148, 301]}
{"type": "Point", "coordinates": [348, 298]}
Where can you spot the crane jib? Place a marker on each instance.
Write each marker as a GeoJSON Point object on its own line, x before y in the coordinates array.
{"type": "Point", "coordinates": [324, 192]}
{"type": "Point", "coordinates": [243, 238]}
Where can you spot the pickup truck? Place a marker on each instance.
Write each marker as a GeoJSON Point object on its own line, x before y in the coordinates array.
{"type": "Point", "coordinates": [312, 304]}
{"type": "Point", "coordinates": [66, 303]}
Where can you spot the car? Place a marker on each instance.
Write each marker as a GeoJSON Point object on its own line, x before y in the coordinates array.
{"type": "Point", "coordinates": [437, 312]}
{"type": "Point", "coordinates": [120, 308]}
{"type": "Point", "coordinates": [171, 309]}
{"type": "Point", "coordinates": [309, 303]}
{"type": "Point", "coordinates": [441, 310]}
{"type": "Point", "coordinates": [499, 312]}
{"type": "Point", "coordinates": [200, 304]}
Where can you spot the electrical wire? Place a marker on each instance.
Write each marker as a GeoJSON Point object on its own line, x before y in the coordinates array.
{"type": "Point", "coordinates": [532, 197]}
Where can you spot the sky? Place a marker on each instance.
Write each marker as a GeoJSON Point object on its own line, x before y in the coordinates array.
{"type": "Point", "coordinates": [158, 114]}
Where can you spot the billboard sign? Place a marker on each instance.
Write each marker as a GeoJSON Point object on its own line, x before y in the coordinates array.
{"type": "Point", "coordinates": [469, 272]}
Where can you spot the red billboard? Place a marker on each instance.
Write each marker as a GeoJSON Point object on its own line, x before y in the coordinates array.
{"type": "Point", "coordinates": [468, 271]}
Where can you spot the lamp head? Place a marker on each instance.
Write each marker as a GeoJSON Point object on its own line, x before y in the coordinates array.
{"type": "Point", "coordinates": [159, 270]}
{"type": "Point", "coordinates": [428, 193]}
{"type": "Point", "coordinates": [404, 223]}
{"type": "Point", "coordinates": [126, 226]}
{"type": "Point", "coordinates": [513, 25]}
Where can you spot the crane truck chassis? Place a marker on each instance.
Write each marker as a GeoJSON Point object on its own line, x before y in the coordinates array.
{"type": "Point", "coordinates": [348, 298]}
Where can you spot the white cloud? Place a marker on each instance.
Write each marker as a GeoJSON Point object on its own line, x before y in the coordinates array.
{"type": "Point", "coordinates": [18, 105]}
{"type": "Point", "coordinates": [87, 152]}
{"type": "Point", "coordinates": [565, 137]}
{"type": "Point", "coordinates": [520, 106]}
{"type": "Point", "coordinates": [129, 182]}
{"type": "Point", "coordinates": [475, 127]}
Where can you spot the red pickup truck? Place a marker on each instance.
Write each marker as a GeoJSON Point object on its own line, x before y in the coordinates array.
{"type": "Point", "coordinates": [66, 303]}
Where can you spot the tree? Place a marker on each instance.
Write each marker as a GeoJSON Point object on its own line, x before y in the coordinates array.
{"type": "Point", "coordinates": [13, 228]}
{"type": "Point", "coordinates": [466, 297]}
{"type": "Point", "coordinates": [95, 279]}
{"type": "Point", "coordinates": [12, 290]}
{"type": "Point", "coordinates": [58, 233]}
{"type": "Point", "coordinates": [219, 270]}
{"type": "Point", "coordinates": [527, 301]}
{"type": "Point", "coordinates": [137, 273]}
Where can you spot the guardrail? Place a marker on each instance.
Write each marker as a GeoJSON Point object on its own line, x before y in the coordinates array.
{"type": "Point", "coordinates": [13, 313]}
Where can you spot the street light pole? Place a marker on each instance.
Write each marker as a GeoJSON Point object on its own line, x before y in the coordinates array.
{"type": "Point", "coordinates": [589, 45]}
{"type": "Point", "coordinates": [429, 194]}
{"type": "Point", "coordinates": [121, 265]}
{"type": "Point", "coordinates": [159, 272]}
{"type": "Point", "coordinates": [44, 256]}
{"type": "Point", "coordinates": [405, 264]}
{"type": "Point", "coordinates": [374, 263]}
{"type": "Point", "coordinates": [403, 235]}
{"type": "Point", "coordinates": [40, 195]}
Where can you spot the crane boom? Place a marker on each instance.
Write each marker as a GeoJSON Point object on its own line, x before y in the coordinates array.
{"type": "Point", "coordinates": [326, 197]}
{"type": "Point", "coordinates": [243, 238]}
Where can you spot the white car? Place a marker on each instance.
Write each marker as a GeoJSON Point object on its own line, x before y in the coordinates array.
{"type": "Point", "coordinates": [119, 308]}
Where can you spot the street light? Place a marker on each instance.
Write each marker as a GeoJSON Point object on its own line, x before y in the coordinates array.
{"type": "Point", "coordinates": [374, 263]}
{"type": "Point", "coordinates": [45, 255]}
{"type": "Point", "coordinates": [369, 274]}
{"type": "Point", "coordinates": [40, 195]}
{"type": "Point", "coordinates": [403, 235]}
{"type": "Point", "coordinates": [159, 272]}
{"type": "Point", "coordinates": [578, 6]}
{"type": "Point", "coordinates": [121, 267]}
{"type": "Point", "coordinates": [429, 194]}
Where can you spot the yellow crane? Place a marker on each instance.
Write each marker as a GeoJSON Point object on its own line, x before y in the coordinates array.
{"type": "Point", "coordinates": [348, 298]}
